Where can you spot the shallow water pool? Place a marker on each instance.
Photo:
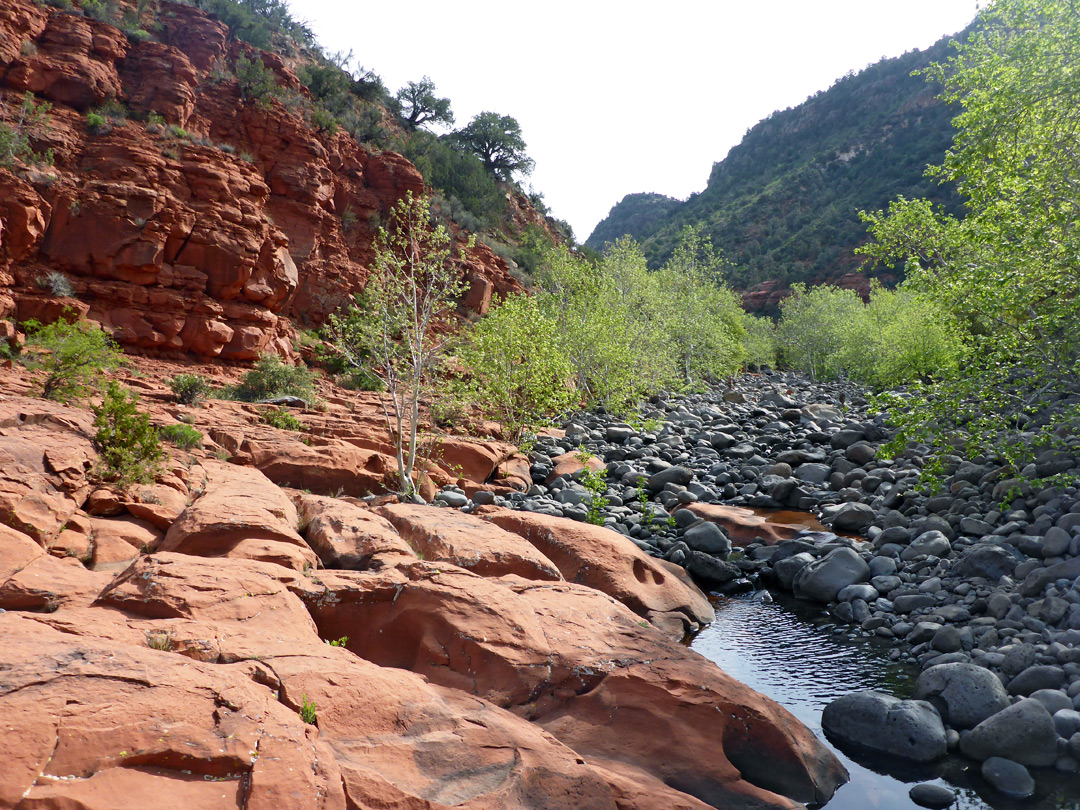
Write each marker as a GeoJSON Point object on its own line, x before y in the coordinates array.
{"type": "Point", "coordinates": [790, 651]}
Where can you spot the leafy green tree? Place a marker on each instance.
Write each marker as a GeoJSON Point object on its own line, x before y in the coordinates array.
{"type": "Point", "coordinates": [460, 175]}
{"type": "Point", "coordinates": [419, 105]}
{"type": "Point", "coordinates": [520, 372]}
{"type": "Point", "coordinates": [1009, 269]}
{"type": "Point", "coordinates": [759, 341]}
{"type": "Point", "coordinates": [700, 317]}
{"type": "Point", "coordinates": [812, 327]}
{"type": "Point", "coordinates": [128, 448]}
{"type": "Point", "coordinates": [900, 337]}
{"type": "Point", "coordinates": [404, 322]}
{"type": "Point", "coordinates": [72, 357]}
{"type": "Point", "coordinates": [497, 141]}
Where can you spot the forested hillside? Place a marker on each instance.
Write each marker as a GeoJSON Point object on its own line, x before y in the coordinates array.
{"type": "Point", "coordinates": [784, 203]}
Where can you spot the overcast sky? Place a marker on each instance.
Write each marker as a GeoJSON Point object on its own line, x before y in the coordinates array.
{"type": "Point", "coordinates": [622, 97]}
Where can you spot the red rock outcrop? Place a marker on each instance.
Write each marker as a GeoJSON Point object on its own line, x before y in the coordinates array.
{"type": "Point", "coordinates": [242, 515]}
{"type": "Point", "coordinates": [468, 542]}
{"type": "Point", "coordinates": [744, 525]}
{"type": "Point", "coordinates": [203, 233]}
{"type": "Point", "coordinates": [610, 563]}
{"type": "Point", "coordinates": [554, 652]}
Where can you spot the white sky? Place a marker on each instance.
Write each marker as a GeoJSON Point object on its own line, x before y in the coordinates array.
{"type": "Point", "coordinates": [622, 97]}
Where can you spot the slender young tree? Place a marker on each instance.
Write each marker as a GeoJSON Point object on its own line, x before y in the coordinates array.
{"type": "Point", "coordinates": [401, 326]}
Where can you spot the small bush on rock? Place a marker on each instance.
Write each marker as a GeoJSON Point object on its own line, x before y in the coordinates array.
{"type": "Point", "coordinates": [272, 378]}
{"type": "Point", "coordinates": [189, 389]}
{"type": "Point", "coordinates": [183, 436]}
{"type": "Point", "coordinates": [127, 444]}
{"type": "Point", "coordinates": [282, 419]}
{"type": "Point", "coordinates": [72, 357]}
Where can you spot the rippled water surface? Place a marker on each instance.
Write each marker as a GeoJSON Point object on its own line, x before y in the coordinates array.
{"type": "Point", "coordinates": [788, 651]}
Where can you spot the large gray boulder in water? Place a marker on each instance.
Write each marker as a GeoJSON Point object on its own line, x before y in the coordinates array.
{"type": "Point", "coordinates": [1024, 733]}
{"type": "Point", "coordinates": [964, 694]}
{"type": "Point", "coordinates": [911, 729]}
{"type": "Point", "coordinates": [823, 579]}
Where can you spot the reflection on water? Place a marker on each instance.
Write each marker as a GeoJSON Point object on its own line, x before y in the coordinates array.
{"type": "Point", "coordinates": [788, 651]}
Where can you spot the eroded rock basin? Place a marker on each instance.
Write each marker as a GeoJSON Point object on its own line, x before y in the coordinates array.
{"type": "Point", "coordinates": [791, 651]}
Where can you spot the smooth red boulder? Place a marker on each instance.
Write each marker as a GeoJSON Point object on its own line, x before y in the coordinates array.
{"type": "Point", "coordinates": [446, 535]}
{"type": "Point", "coordinates": [241, 515]}
{"type": "Point", "coordinates": [348, 536]}
{"type": "Point", "coordinates": [608, 561]}
{"type": "Point", "coordinates": [102, 726]}
{"type": "Point", "coordinates": [396, 739]}
{"type": "Point", "coordinates": [553, 652]}
{"type": "Point", "coordinates": [744, 525]}
{"type": "Point", "coordinates": [570, 464]}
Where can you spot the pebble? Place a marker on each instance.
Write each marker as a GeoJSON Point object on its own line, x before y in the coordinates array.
{"type": "Point", "coordinates": [930, 795]}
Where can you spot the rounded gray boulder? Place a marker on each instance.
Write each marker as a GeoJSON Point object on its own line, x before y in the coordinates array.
{"type": "Point", "coordinates": [709, 538]}
{"type": "Point", "coordinates": [964, 694]}
{"type": "Point", "coordinates": [910, 729]}
{"type": "Point", "coordinates": [1024, 733]}
{"type": "Point", "coordinates": [824, 578]}
{"type": "Point", "coordinates": [1008, 777]}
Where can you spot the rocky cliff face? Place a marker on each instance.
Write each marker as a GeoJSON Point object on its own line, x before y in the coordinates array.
{"type": "Point", "coordinates": [210, 227]}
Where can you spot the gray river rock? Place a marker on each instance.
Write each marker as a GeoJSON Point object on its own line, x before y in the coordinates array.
{"type": "Point", "coordinates": [981, 576]}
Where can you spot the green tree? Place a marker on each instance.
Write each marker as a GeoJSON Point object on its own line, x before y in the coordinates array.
{"type": "Point", "coordinates": [128, 448]}
{"type": "Point", "coordinates": [404, 322]}
{"type": "Point", "coordinates": [497, 141]}
{"type": "Point", "coordinates": [72, 357]}
{"type": "Point", "coordinates": [520, 372]}
{"type": "Point", "coordinates": [701, 318]}
{"type": "Point", "coordinates": [419, 105]}
{"type": "Point", "coordinates": [1009, 270]}
{"type": "Point", "coordinates": [812, 328]}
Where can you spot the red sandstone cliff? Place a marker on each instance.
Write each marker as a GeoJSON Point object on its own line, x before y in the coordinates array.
{"type": "Point", "coordinates": [207, 240]}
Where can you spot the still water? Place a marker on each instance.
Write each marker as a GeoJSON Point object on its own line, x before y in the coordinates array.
{"type": "Point", "coordinates": [788, 650]}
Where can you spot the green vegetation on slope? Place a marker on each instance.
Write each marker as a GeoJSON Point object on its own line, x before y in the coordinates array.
{"type": "Point", "coordinates": [1009, 270]}
{"type": "Point", "coordinates": [784, 203]}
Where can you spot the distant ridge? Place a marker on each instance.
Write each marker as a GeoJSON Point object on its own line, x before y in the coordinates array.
{"type": "Point", "coordinates": [783, 204]}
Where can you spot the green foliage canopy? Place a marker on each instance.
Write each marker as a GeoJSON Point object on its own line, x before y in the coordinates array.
{"type": "Point", "coordinates": [72, 357]}
{"type": "Point", "coordinates": [419, 105]}
{"type": "Point", "coordinates": [128, 448]}
{"type": "Point", "coordinates": [497, 141]}
{"type": "Point", "coordinates": [1009, 269]}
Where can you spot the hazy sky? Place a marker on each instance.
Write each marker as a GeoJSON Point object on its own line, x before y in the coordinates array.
{"type": "Point", "coordinates": [615, 98]}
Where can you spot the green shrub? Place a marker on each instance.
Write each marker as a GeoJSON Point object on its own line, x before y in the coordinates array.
{"type": "Point", "coordinates": [759, 341]}
{"type": "Point", "coordinates": [272, 378]}
{"type": "Point", "coordinates": [183, 436]}
{"type": "Point", "coordinates": [812, 328]}
{"type": "Point", "coordinates": [520, 372]}
{"type": "Point", "coordinates": [307, 711]}
{"type": "Point", "coordinates": [127, 444]}
{"type": "Point", "coordinates": [72, 357]}
{"type": "Point", "coordinates": [257, 83]}
{"type": "Point", "coordinates": [898, 337]}
{"type": "Point", "coordinates": [282, 419]}
{"type": "Point", "coordinates": [57, 283]}
{"type": "Point", "coordinates": [31, 119]}
{"type": "Point", "coordinates": [97, 124]}
{"type": "Point", "coordinates": [901, 337]}
{"type": "Point", "coordinates": [189, 388]}
{"type": "Point", "coordinates": [359, 379]}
